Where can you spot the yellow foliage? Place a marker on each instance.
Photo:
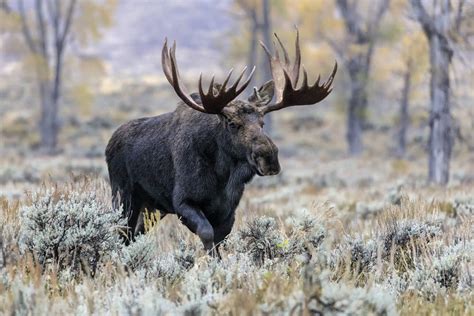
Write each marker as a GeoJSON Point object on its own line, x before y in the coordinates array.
{"type": "Point", "coordinates": [387, 63]}
{"type": "Point", "coordinates": [318, 57]}
{"type": "Point", "coordinates": [91, 67]}
{"type": "Point", "coordinates": [399, 6]}
{"type": "Point", "coordinates": [82, 97]}
{"type": "Point", "coordinates": [9, 22]}
{"type": "Point", "coordinates": [414, 53]}
{"type": "Point", "coordinates": [35, 63]}
{"type": "Point", "coordinates": [93, 17]}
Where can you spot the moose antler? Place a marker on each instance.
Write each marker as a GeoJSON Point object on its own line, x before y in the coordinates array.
{"type": "Point", "coordinates": [285, 79]}
{"type": "Point", "coordinates": [211, 103]}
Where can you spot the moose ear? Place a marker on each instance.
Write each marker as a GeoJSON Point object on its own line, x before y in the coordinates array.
{"type": "Point", "coordinates": [264, 94]}
{"type": "Point", "coordinates": [195, 96]}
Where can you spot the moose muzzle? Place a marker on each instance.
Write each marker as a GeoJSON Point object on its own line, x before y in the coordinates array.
{"type": "Point", "coordinates": [264, 159]}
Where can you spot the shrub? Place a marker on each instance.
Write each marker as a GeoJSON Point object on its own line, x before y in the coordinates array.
{"type": "Point", "coordinates": [368, 210]}
{"type": "Point", "coordinates": [139, 254]}
{"type": "Point", "coordinates": [463, 206]}
{"type": "Point", "coordinates": [70, 231]}
{"type": "Point", "coordinates": [341, 299]}
{"type": "Point", "coordinates": [15, 174]}
{"type": "Point", "coordinates": [447, 269]}
{"type": "Point", "coordinates": [326, 297]}
{"type": "Point", "coordinates": [401, 241]}
{"type": "Point", "coordinates": [401, 233]}
{"type": "Point", "coordinates": [306, 234]}
{"type": "Point", "coordinates": [363, 255]}
{"type": "Point", "coordinates": [261, 239]}
{"type": "Point", "coordinates": [146, 260]}
{"type": "Point", "coordinates": [404, 240]}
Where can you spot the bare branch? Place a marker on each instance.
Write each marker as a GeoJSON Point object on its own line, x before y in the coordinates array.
{"type": "Point", "coordinates": [41, 27]}
{"type": "Point", "coordinates": [340, 51]}
{"type": "Point", "coordinates": [351, 20]}
{"type": "Point", "coordinates": [54, 14]}
{"type": "Point", "coordinates": [374, 23]}
{"type": "Point", "coordinates": [68, 21]}
{"type": "Point", "coordinates": [459, 16]}
{"type": "Point", "coordinates": [422, 16]}
{"type": "Point", "coordinates": [25, 28]}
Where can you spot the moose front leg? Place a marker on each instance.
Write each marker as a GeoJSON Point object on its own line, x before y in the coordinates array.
{"type": "Point", "coordinates": [195, 220]}
{"type": "Point", "coordinates": [222, 230]}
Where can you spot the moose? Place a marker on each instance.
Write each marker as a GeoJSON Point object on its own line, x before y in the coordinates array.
{"type": "Point", "coordinates": [195, 161]}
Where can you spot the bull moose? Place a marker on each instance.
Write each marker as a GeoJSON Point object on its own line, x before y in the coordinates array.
{"type": "Point", "coordinates": [195, 161]}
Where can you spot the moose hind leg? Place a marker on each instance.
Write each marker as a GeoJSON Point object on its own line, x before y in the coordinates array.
{"type": "Point", "coordinates": [197, 222]}
{"type": "Point", "coordinates": [122, 197]}
{"type": "Point", "coordinates": [136, 208]}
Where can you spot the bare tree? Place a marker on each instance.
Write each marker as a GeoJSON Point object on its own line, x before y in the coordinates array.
{"type": "Point", "coordinates": [46, 39]}
{"type": "Point", "coordinates": [266, 30]}
{"type": "Point", "coordinates": [266, 73]}
{"type": "Point", "coordinates": [364, 32]}
{"type": "Point", "coordinates": [252, 15]}
{"type": "Point", "coordinates": [259, 15]}
{"type": "Point", "coordinates": [404, 115]}
{"type": "Point", "coordinates": [439, 22]}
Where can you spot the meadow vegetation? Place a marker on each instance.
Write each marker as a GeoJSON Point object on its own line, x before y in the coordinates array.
{"type": "Point", "coordinates": [304, 251]}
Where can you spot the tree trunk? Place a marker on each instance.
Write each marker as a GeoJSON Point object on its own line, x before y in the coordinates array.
{"type": "Point", "coordinates": [354, 124]}
{"type": "Point", "coordinates": [366, 62]}
{"type": "Point", "coordinates": [264, 66]}
{"type": "Point", "coordinates": [440, 140]}
{"type": "Point", "coordinates": [404, 116]}
{"type": "Point", "coordinates": [358, 71]}
{"type": "Point", "coordinates": [252, 57]}
{"type": "Point", "coordinates": [48, 122]}
{"type": "Point", "coordinates": [50, 94]}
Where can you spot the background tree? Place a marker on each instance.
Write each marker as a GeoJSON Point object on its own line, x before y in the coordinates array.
{"type": "Point", "coordinates": [351, 29]}
{"type": "Point", "coordinates": [362, 34]}
{"type": "Point", "coordinates": [258, 14]}
{"type": "Point", "coordinates": [48, 28]}
{"type": "Point", "coordinates": [412, 51]}
{"type": "Point", "coordinates": [442, 23]}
